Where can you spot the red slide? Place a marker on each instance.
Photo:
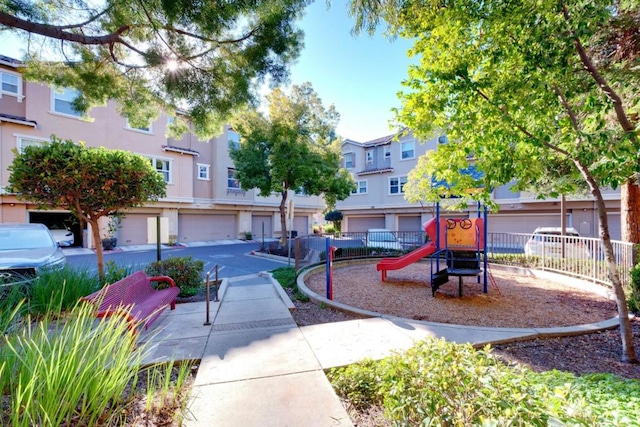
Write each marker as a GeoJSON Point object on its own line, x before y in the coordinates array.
{"type": "Point", "coordinates": [413, 256]}
{"type": "Point", "coordinates": [404, 260]}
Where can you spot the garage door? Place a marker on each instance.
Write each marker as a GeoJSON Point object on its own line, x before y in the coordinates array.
{"type": "Point", "coordinates": [521, 223]}
{"type": "Point", "coordinates": [257, 224]}
{"type": "Point", "coordinates": [133, 229]}
{"type": "Point", "coordinates": [301, 225]}
{"type": "Point", "coordinates": [615, 229]}
{"type": "Point", "coordinates": [198, 227]}
{"type": "Point", "coordinates": [409, 223]}
{"type": "Point", "coordinates": [359, 224]}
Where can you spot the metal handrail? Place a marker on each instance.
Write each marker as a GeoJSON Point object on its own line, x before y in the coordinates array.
{"type": "Point", "coordinates": [208, 284]}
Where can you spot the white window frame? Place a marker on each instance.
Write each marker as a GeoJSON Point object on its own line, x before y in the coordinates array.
{"type": "Point", "coordinates": [229, 178]}
{"type": "Point", "coordinates": [148, 130]}
{"type": "Point", "coordinates": [400, 182]}
{"type": "Point", "coordinates": [369, 156]}
{"type": "Point", "coordinates": [167, 173]}
{"type": "Point", "coordinates": [62, 95]}
{"type": "Point", "coordinates": [232, 141]}
{"type": "Point", "coordinates": [387, 152]}
{"type": "Point", "coordinates": [20, 138]}
{"type": "Point", "coordinates": [18, 93]}
{"type": "Point", "coordinates": [202, 167]}
{"type": "Point", "coordinates": [352, 156]}
{"type": "Point", "coordinates": [362, 187]}
{"type": "Point", "coordinates": [405, 151]}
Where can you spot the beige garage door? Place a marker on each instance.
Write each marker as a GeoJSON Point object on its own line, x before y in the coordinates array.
{"type": "Point", "coordinates": [199, 227]}
{"type": "Point", "coordinates": [615, 225]}
{"type": "Point", "coordinates": [134, 229]}
{"type": "Point", "coordinates": [301, 225]}
{"type": "Point", "coordinates": [363, 223]}
{"type": "Point", "coordinates": [521, 223]}
{"type": "Point", "coordinates": [260, 224]}
{"type": "Point", "coordinates": [409, 223]}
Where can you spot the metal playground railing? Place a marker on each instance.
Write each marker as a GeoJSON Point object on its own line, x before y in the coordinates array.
{"type": "Point", "coordinates": [581, 257]}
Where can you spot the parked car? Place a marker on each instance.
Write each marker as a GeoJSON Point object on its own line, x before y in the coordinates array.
{"type": "Point", "coordinates": [548, 241]}
{"type": "Point", "coordinates": [25, 251]}
{"type": "Point", "coordinates": [382, 238]}
{"type": "Point", "coordinates": [62, 234]}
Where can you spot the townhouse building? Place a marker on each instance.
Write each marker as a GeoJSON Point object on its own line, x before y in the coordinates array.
{"type": "Point", "coordinates": [380, 168]}
{"type": "Point", "coordinates": [204, 201]}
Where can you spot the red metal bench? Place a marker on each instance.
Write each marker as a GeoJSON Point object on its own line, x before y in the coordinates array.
{"type": "Point", "coordinates": [134, 298]}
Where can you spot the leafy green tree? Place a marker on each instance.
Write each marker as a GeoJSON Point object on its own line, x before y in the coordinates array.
{"type": "Point", "coordinates": [293, 148]}
{"type": "Point", "coordinates": [202, 57]}
{"type": "Point", "coordinates": [335, 217]}
{"type": "Point", "coordinates": [90, 182]}
{"type": "Point", "coordinates": [525, 89]}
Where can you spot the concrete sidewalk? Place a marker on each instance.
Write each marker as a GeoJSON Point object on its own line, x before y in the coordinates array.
{"type": "Point", "coordinates": [259, 369]}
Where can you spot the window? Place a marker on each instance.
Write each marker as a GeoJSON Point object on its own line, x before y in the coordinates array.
{"type": "Point", "coordinates": [234, 139]}
{"type": "Point", "coordinates": [11, 84]}
{"type": "Point", "coordinates": [203, 171]}
{"type": "Point", "coordinates": [27, 142]}
{"type": "Point", "coordinates": [62, 100]}
{"type": "Point", "coordinates": [396, 185]}
{"type": "Point", "coordinates": [369, 156]}
{"type": "Point", "coordinates": [349, 160]}
{"type": "Point", "coordinates": [144, 129]}
{"type": "Point", "coordinates": [387, 153]}
{"type": "Point", "coordinates": [163, 167]}
{"type": "Point", "coordinates": [232, 181]}
{"type": "Point", "coordinates": [408, 150]}
{"type": "Point", "coordinates": [361, 188]}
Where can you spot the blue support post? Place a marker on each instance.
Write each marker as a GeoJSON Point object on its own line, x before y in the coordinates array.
{"type": "Point", "coordinates": [329, 267]}
{"type": "Point", "coordinates": [486, 261]}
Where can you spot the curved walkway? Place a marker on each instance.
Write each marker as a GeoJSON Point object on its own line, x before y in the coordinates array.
{"type": "Point", "coordinates": [258, 368]}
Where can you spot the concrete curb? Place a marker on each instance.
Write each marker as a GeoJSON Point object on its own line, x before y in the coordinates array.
{"type": "Point", "coordinates": [523, 334]}
{"type": "Point", "coordinates": [280, 290]}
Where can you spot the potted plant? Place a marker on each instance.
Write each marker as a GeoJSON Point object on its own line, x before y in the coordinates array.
{"type": "Point", "coordinates": [110, 241]}
{"type": "Point", "coordinates": [248, 235]}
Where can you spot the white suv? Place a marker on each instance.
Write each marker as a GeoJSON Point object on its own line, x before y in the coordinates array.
{"type": "Point", "coordinates": [548, 241]}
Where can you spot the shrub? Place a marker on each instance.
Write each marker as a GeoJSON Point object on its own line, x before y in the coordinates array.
{"type": "Point", "coordinates": [633, 292]}
{"type": "Point", "coordinates": [185, 271]}
{"type": "Point", "coordinates": [114, 272]}
{"type": "Point", "coordinates": [437, 383]}
{"type": "Point", "coordinates": [82, 372]}
{"type": "Point", "coordinates": [329, 229]}
{"type": "Point", "coordinates": [55, 373]}
{"type": "Point", "coordinates": [54, 292]}
{"type": "Point", "coordinates": [286, 276]}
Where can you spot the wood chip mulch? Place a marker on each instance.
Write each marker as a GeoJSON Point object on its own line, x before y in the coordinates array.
{"type": "Point", "coordinates": [513, 301]}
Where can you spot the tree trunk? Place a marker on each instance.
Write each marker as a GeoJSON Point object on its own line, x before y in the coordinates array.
{"type": "Point", "coordinates": [95, 231]}
{"type": "Point", "coordinates": [630, 211]}
{"type": "Point", "coordinates": [283, 215]}
{"type": "Point", "coordinates": [626, 333]}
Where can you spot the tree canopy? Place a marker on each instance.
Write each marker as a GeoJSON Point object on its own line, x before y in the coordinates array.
{"type": "Point", "coordinates": [90, 182]}
{"type": "Point", "coordinates": [542, 92]}
{"type": "Point", "coordinates": [203, 58]}
{"type": "Point", "coordinates": [294, 147]}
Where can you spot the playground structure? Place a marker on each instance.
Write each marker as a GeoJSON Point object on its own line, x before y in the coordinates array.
{"type": "Point", "coordinates": [461, 242]}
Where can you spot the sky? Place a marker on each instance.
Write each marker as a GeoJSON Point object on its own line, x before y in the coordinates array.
{"type": "Point", "coordinates": [359, 75]}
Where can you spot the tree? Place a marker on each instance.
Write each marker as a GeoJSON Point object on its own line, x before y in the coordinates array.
{"type": "Point", "coordinates": [520, 87]}
{"type": "Point", "coordinates": [294, 148]}
{"type": "Point", "coordinates": [335, 217]}
{"type": "Point", "coordinates": [202, 57]}
{"type": "Point", "coordinates": [90, 182]}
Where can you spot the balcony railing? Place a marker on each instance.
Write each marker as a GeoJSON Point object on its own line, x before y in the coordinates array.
{"type": "Point", "coordinates": [581, 257]}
